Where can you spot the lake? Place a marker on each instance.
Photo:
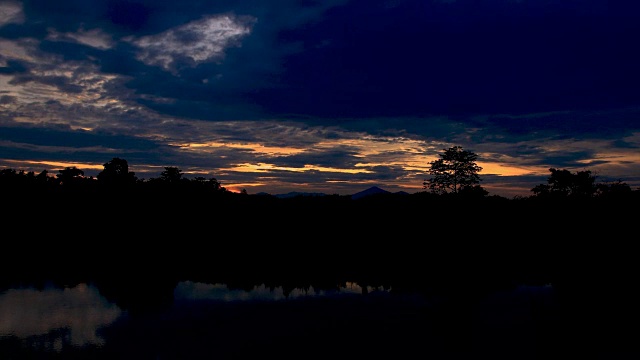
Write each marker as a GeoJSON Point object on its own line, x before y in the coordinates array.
{"type": "Point", "coordinates": [214, 321]}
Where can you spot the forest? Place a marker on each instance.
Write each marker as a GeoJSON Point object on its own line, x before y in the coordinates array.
{"type": "Point", "coordinates": [173, 224]}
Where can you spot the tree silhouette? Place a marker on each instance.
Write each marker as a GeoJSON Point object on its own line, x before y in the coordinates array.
{"type": "Point", "coordinates": [69, 176]}
{"type": "Point", "coordinates": [171, 174]}
{"type": "Point", "coordinates": [201, 182]}
{"type": "Point", "coordinates": [456, 171]}
{"type": "Point", "coordinates": [42, 177]}
{"type": "Point", "coordinates": [563, 183]}
{"type": "Point", "coordinates": [614, 190]}
{"type": "Point", "coordinates": [116, 172]}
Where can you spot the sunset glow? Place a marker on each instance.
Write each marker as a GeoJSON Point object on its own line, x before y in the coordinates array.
{"type": "Point", "coordinates": [250, 94]}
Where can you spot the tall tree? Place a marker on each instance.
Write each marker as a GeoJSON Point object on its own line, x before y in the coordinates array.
{"type": "Point", "coordinates": [116, 172]}
{"type": "Point", "coordinates": [456, 171]}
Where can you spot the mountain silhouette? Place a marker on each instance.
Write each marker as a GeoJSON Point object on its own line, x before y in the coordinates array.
{"type": "Point", "coordinates": [374, 190]}
{"type": "Point", "coordinates": [291, 194]}
{"type": "Point", "coordinates": [370, 191]}
{"type": "Point", "coordinates": [297, 193]}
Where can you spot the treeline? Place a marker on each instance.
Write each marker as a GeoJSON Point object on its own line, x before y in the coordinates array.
{"type": "Point", "coordinates": [115, 176]}
{"type": "Point", "coordinates": [561, 184]}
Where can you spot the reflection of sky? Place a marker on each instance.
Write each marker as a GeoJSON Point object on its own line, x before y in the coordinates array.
{"type": "Point", "coordinates": [188, 290]}
{"type": "Point", "coordinates": [79, 310]}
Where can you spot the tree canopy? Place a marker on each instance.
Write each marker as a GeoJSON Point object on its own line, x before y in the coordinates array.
{"type": "Point", "coordinates": [455, 172]}
{"type": "Point", "coordinates": [562, 183]}
{"type": "Point", "coordinates": [116, 172]}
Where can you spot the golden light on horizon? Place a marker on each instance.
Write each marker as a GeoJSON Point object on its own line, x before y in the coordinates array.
{"type": "Point", "coordinates": [262, 167]}
{"type": "Point", "coordinates": [255, 147]}
{"type": "Point", "coordinates": [58, 164]}
{"type": "Point", "coordinates": [502, 169]}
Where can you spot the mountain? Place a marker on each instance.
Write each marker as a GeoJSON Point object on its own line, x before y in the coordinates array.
{"type": "Point", "coordinates": [374, 190]}
{"type": "Point", "coordinates": [296, 193]}
{"type": "Point", "coordinates": [370, 191]}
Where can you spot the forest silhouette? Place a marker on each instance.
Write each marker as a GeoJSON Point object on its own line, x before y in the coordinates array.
{"type": "Point", "coordinates": [70, 223]}
{"type": "Point", "coordinates": [135, 239]}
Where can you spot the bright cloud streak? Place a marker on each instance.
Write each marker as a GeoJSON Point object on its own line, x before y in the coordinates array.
{"type": "Point", "coordinates": [17, 50]}
{"type": "Point", "coordinates": [262, 167]}
{"type": "Point", "coordinates": [11, 12]}
{"type": "Point", "coordinates": [198, 41]}
{"type": "Point", "coordinates": [257, 148]}
{"type": "Point", "coordinates": [95, 38]}
{"type": "Point", "coordinates": [55, 165]}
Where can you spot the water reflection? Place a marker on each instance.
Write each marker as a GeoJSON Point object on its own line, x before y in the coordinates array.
{"type": "Point", "coordinates": [54, 317]}
{"type": "Point", "coordinates": [214, 320]}
{"type": "Point", "coordinates": [188, 290]}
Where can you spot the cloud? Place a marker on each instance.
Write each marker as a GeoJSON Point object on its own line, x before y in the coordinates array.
{"type": "Point", "coordinates": [95, 38]}
{"type": "Point", "coordinates": [21, 49]}
{"type": "Point", "coordinates": [7, 99]}
{"type": "Point", "coordinates": [194, 43]}
{"type": "Point", "coordinates": [11, 13]}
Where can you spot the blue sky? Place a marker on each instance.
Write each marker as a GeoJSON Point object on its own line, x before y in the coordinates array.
{"type": "Point", "coordinates": [327, 96]}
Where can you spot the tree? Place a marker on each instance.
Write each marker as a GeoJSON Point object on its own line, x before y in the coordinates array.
{"type": "Point", "coordinates": [116, 172]}
{"type": "Point", "coordinates": [456, 171]}
{"type": "Point", "coordinates": [43, 177]}
{"type": "Point", "coordinates": [171, 174]}
{"type": "Point", "coordinates": [200, 182]}
{"type": "Point", "coordinates": [70, 175]}
{"type": "Point", "coordinates": [563, 183]}
{"type": "Point", "coordinates": [613, 190]}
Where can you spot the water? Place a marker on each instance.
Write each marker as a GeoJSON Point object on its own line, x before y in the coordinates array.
{"type": "Point", "coordinates": [213, 321]}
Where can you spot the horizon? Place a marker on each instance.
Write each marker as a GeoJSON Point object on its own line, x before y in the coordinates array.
{"type": "Point", "coordinates": [327, 190]}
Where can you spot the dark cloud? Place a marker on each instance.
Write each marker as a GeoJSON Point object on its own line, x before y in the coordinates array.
{"type": "Point", "coordinates": [369, 59]}
{"type": "Point", "coordinates": [64, 15]}
{"type": "Point", "coordinates": [423, 58]}
{"type": "Point", "coordinates": [7, 99]}
{"type": "Point", "coordinates": [61, 82]}
{"type": "Point", "coordinates": [622, 144]}
{"type": "Point", "coordinates": [52, 137]}
{"type": "Point", "coordinates": [383, 173]}
{"type": "Point", "coordinates": [121, 60]}
{"type": "Point", "coordinates": [14, 67]}
{"type": "Point", "coordinates": [71, 51]}
{"type": "Point", "coordinates": [604, 124]}
{"type": "Point", "coordinates": [215, 109]}
{"type": "Point", "coordinates": [502, 77]}
{"type": "Point", "coordinates": [130, 15]}
{"type": "Point", "coordinates": [340, 159]}
{"type": "Point", "coordinates": [566, 159]}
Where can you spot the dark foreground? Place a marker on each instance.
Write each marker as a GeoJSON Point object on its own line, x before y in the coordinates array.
{"type": "Point", "coordinates": [462, 254]}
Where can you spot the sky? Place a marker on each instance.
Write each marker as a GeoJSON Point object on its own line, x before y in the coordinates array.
{"type": "Point", "coordinates": [330, 96]}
